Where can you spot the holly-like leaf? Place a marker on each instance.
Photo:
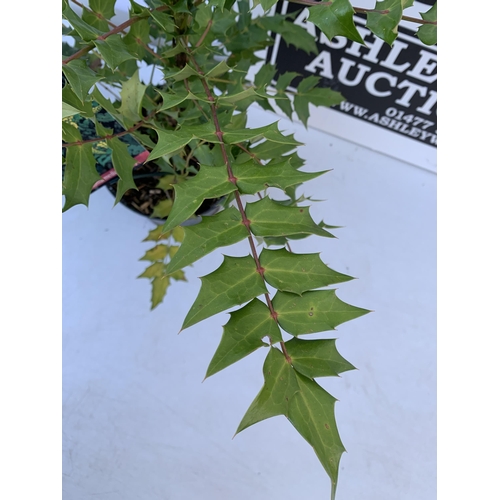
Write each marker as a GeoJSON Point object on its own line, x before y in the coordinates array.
{"type": "Point", "coordinates": [270, 132]}
{"type": "Point", "coordinates": [243, 334]}
{"type": "Point", "coordinates": [265, 75]}
{"type": "Point", "coordinates": [317, 358]}
{"type": "Point", "coordinates": [269, 218]}
{"type": "Point", "coordinates": [210, 182]}
{"type": "Point", "coordinates": [80, 77]}
{"type": "Point", "coordinates": [313, 312]}
{"type": "Point", "coordinates": [159, 252]}
{"type": "Point", "coordinates": [218, 70]}
{"type": "Point", "coordinates": [236, 281]}
{"type": "Point", "coordinates": [131, 98]}
{"type": "Point", "coordinates": [267, 4]}
{"type": "Point", "coordinates": [428, 32]}
{"type": "Point", "coordinates": [157, 234]}
{"type": "Point", "coordinates": [123, 163]}
{"type": "Point", "coordinates": [169, 142]}
{"type": "Point", "coordinates": [70, 98]}
{"type": "Point", "coordinates": [311, 412]}
{"type": "Point", "coordinates": [113, 50]}
{"type": "Point", "coordinates": [153, 271]}
{"type": "Point", "coordinates": [280, 388]}
{"type": "Point", "coordinates": [104, 7]}
{"type": "Point", "coordinates": [171, 100]}
{"type": "Point", "coordinates": [79, 176]}
{"type": "Point", "coordinates": [335, 19]}
{"type": "Point", "coordinates": [297, 273]}
{"type": "Point", "coordinates": [253, 178]}
{"type": "Point", "coordinates": [239, 96]}
{"type": "Point", "coordinates": [182, 74]}
{"type": "Point", "coordinates": [160, 285]}
{"type": "Point", "coordinates": [212, 232]}
{"type": "Point", "coordinates": [164, 20]}
{"type": "Point", "coordinates": [85, 30]}
{"type": "Point", "coordinates": [385, 25]}
{"type": "Point", "coordinates": [68, 110]}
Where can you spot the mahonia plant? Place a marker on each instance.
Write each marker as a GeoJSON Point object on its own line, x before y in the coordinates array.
{"type": "Point", "coordinates": [194, 126]}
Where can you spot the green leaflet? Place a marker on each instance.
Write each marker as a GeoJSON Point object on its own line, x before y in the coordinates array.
{"type": "Point", "coordinates": [159, 289]}
{"type": "Point", "coordinates": [428, 32]}
{"type": "Point", "coordinates": [68, 110]}
{"type": "Point", "coordinates": [169, 142]}
{"type": "Point", "coordinates": [210, 182]}
{"type": "Point", "coordinates": [70, 98]}
{"type": "Point", "coordinates": [113, 50]}
{"type": "Point", "coordinates": [236, 281]}
{"type": "Point", "coordinates": [155, 270]}
{"type": "Point", "coordinates": [184, 73]}
{"type": "Point", "coordinates": [297, 273]}
{"type": "Point", "coordinates": [317, 358]}
{"type": "Point", "coordinates": [311, 412]}
{"type": "Point", "coordinates": [104, 7]}
{"type": "Point", "coordinates": [335, 19]}
{"type": "Point", "coordinates": [234, 98]}
{"type": "Point", "coordinates": [385, 26]}
{"type": "Point", "coordinates": [270, 132]}
{"type": "Point", "coordinates": [159, 252]}
{"type": "Point", "coordinates": [131, 96]}
{"type": "Point", "coordinates": [86, 31]}
{"type": "Point", "coordinates": [269, 218]}
{"type": "Point", "coordinates": [212, 232]}
{"type": "Point", "coordinates": [123, 163]}
{"type": "Point", "coordinates": [280, 386]}
{"type": "Point", "coordinates": [217, 70]}
{"type": "Point", "coordinates": [252, 178]}
{"type": "Point", "coordinates": [79, 176]}
{"type": "Point", "coordinates": [171, 100]}
{"type": "Point", "coordinates": [267, 4]}
{"type": "Point", "coordinates": [313, 312]}
{"type": "Point", "coordinates": [80, 77]}
{"type": "Point", "coordinates": [243, 334]}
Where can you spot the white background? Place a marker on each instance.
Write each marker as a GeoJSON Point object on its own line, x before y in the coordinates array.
{"type": "Point", "coordinates": [139, 424]}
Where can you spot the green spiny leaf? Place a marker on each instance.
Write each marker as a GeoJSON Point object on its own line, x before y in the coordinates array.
{"type": "Point", "coordinates": [236, 281]}
{"type": "Point", "coordinates": [253, 178]}
{"type": "Point", "coordinates": [171, 100]}
{"type": "Point", "coordinates": [182, 74]}
{"type": "Point", "coordinates": [212, 232]}
{"type": "Point", "coordinates": [68, 110]}
{"type": "Point", "coordinates": [80, 77]}
{"type": "Point", "coordinates": [169, 142]}
{"type": "Point", "coordinates": [155, 270]}
{"type": "Point", "coordinates": [79, 176]}
{"type": "Point", "coordinates": [265, 75]}
{"type": "Point", "coordinates": [317, 97]}
{"type": "Point", "coordinates": [335, 19]}
{"type": "Point", "coordinates": [313, 312]}
{"type": "Point", "coordinates": [113, 50]}
{"type": "Point", "coordinates": [297, 273]}
{"type": "Point", "coordinates": [104, 7]}
{"type": "Point", "coordinates": [131, 97]}
{"type": "Point", "coordinates": [385, 26]}
{"type": "Point", "coordinates": [243, 334]}
{"type": "Point", "coordinates": [70, 98]}
{"type": "Point", "coordinates": [86, 31]}
{"type": "Point", "coordinates": [160, 285]}
{"type": "Point", "coordinates": [269, 218]}
{"type": "Point", "coordinates": [428, 32]}
{"type": "Point", "coordinates": [270, 132]}
{"type": "Point", "coordinates": [311, 412]}
{"type": "Point", "coordinates": [210, 182]}
{"type": "Point", "coordinates": [280, 388]}
{"type": "Point", "coordinates": [267, 4]}
{"type": "Point", "coordinates": [123, 163]}
{"type": "Point", "coordinates": [234, 98]}
{"type": "Point", "coordinates": [159, 252]}
{"type": "Point", "coordinates": [164, 20]}
{"type": "Point", "coordinates": [317, 358]}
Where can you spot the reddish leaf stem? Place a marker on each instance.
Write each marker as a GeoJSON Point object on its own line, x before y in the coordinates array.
{"type": "Point", "coordinates": [219, 133]}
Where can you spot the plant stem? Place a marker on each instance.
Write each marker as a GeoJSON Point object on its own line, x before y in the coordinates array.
{"type": "Point", "coordinates": [239, 203]}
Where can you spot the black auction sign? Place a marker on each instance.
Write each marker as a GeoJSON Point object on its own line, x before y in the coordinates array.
{"type": "Point", "coordinates": [388, 90]}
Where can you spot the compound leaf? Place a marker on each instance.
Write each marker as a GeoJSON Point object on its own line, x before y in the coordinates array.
{"type": "Point", "coordinates": [269, 218]}
{"type": "Point", "coordinates": [297, 273]}
{"type": "Point", "coordinates": [236, 281]}
{"type": "Point", "coordinates": [280, 386]}
{"type": "Point", "coordinates": [243, 334]}
{"type": "Point", "coordinates": [313, 312]}
{"type": "Point", "coordinates": [317, 358]}
{"type": "Point", "coordinates": [210, 182]}
{"type": "Point", "coordinates": [212, 232]}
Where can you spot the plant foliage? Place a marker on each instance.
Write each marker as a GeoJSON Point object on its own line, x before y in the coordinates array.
{"type": "Point", "coordinates": [193, 124]}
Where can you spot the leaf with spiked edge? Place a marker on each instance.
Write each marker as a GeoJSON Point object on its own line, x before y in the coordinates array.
{"type": "Point", "coordinates": [280, 387]}
{"type": "Point", "coordinates": [428, 32]}
{"type": "Point", "coordinates": [236, 281]}
{"type": "Point", "coordinates": [212, 232]}
{"type": "Point", "coordinates": [80, 77]}
{"type": "Point", "coordinates": [269, 218]}
{"type": "Point", "coordinates": [210, 182]}
{"type": "Point", "coordinates": [243, 334]}
{"type": "Point", "coordinates": [317, 358]}
{"type": "Point", "coordinates": [311, 412]}
{"type": "Point", "coordinates": [312, 312]}
{"type": "Point", "coordinates": [385, 25]}
{"type": "Point", "coordinates": [123, 163]}
{"type": "Point", "coordinates": [297, 273]}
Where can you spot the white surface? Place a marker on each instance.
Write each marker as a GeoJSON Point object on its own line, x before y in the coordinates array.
{"type": "Point", "coordinates": [140, 425]}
